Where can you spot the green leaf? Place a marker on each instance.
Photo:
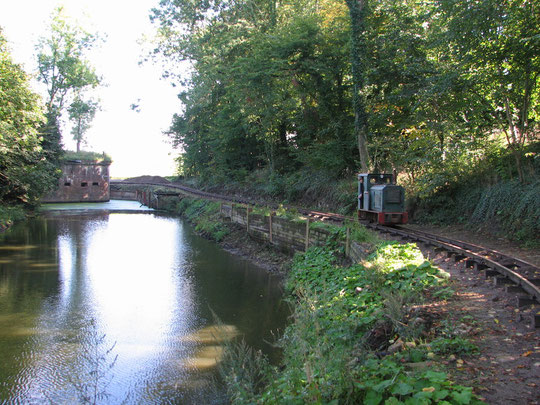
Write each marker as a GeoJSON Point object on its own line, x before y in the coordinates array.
{"type": "Point", "coordinates": [435, 376]}
{"type": "Point", "coordinates": [441, 394]}
{"type": "Point", "coordinates": [393, 401]}
{"type": "Point", "coordinates": [372, 398]}
{"type": "Point", "coordinates": [382, 385]}
{"type": "Point", "coordinates": [402, 389]}
{"type": "Point", "coordinates": [463, 397]}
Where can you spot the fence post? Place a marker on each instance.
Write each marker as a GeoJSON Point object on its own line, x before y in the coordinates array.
{"type": "Point", "coordinates": [348, 242]}
{"type": "Point", "coordinates": [270, 227]}
{"type": "Point", "coordinates": [307, 234]}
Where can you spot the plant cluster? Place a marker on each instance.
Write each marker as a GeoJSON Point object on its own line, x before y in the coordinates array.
{"type": "Point", "coordinates": [25, 173]}
{"type": "Point", "coordinates": [508, 206]}
{"type": "Point", "coordinates": [85, 155]}
{"type": "Point", "coordinates": [204, 214]}
{"type": "Point", "coordinates": [337, 349]}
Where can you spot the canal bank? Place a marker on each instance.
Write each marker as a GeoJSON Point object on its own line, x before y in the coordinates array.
{"type": "Point", "coordinates": [375, 332]}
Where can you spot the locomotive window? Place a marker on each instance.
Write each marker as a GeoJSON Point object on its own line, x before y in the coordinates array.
{"type": "Point", "coordinates": [95, 183]}
{"type": "Point", "coordinates": [84, 184]}
{"type": "Point", "coordinates": [67, 184]}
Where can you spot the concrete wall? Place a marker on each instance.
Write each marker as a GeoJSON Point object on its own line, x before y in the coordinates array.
{"type": "Point", "coordinates": [123, 195]}
{"type": "Point", "coordinates": [288, 235]}
{"type": "Point", "coordinates": [84, 181]}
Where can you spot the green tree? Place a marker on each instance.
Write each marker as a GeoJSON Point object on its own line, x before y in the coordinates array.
{"type": "Point", "coordinates": [81, 113]}
{"type": "Point", "coordinates": [24, 173]}
{"type": "Point", "coordinates": [64, 69]}
{"type": "Point", "coordinates": [495, 45]}
{"type": "Point", "coordinates": [269, 88]}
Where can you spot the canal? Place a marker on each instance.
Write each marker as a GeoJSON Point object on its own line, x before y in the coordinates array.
{"type": "Point", "coordinates": [130, 307]}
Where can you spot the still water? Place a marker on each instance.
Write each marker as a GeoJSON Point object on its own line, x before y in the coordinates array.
{"type": "Point", "coordinates": [126, 307]}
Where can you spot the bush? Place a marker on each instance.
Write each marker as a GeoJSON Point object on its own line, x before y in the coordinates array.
{"type": "Point", "coordinates": [8, 215]}
{"type": "Point", "coordinates": [486, 195]}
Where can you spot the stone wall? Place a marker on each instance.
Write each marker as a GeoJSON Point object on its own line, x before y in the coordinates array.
{"type": "Point", "coordinates": [82, 181]}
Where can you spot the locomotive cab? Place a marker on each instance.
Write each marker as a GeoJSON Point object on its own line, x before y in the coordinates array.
{"type": "Point", "coordinates": [380, 199]}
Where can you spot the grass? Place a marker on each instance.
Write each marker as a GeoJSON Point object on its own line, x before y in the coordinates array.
{"type": "Point", "coordinates": [88, 156]}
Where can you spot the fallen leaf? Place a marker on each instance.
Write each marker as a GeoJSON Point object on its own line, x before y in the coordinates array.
{"type": "Point", "coordinates": [527, 354]}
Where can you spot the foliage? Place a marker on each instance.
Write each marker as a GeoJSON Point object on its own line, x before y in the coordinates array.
{"type": "Point", "coordinates": [204, 214]}
{"type": "Point", "coordinates": [64, 69]}
{"type": "Point", "coordinates": [445, 86]}
{"type": "Point", "coordinates": [81, 112]}
{"type": "Point", "coordinates": [98, 362]}
{"type": "Point", "coordinates": [496, 46]}
{"type": "Point", "coordinates": [84, 155]}
{"type": "Point", "coordinates": [246, 372]}
{"type": "Point", "coordinates": [8, 215]}
{"type": "Point", "coordinates": [268, 90]}
{"type": "Point", "coordinates": [25, 174]}
{"type": "Point", "coordinates": [489, 196]}
{"type": "Point", "coordinates": [327, 354]}
{"type": "Point", "coordinates": [61, 60]}
{"type": "Point", "coordinates": [514, 206]}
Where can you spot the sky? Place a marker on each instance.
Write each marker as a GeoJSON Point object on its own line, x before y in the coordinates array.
{"type": "Point", "coordinates": [134, 140]}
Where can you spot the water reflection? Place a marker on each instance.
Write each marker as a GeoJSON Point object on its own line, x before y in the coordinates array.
{"type": "Point", "coordinates": [128, 297]}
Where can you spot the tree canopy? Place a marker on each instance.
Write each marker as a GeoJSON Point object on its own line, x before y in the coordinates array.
{"type": "Point", "coordinates": [294, 85]}
{"type": "Point", "coordinates": [25, 174]}
{"type": "Point", "coordinates": [67, 73]}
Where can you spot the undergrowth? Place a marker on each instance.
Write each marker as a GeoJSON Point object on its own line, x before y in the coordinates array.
{"type": "Point", "coordinates": [10, 214]}
{"type": "Point", "coordinates": [203, 214]}
{"type": "Point", "coordinates": [345, 318]}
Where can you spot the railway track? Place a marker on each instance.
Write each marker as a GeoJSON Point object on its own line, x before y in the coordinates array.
{"type": "Point", "coordinates": [517, 276]}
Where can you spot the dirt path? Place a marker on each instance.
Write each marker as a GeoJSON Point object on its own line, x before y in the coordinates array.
{"type": "Point", "coordinates": [507, 369]}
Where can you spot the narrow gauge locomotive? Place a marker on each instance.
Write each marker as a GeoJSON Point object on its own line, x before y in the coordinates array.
{"type": "Point", "coordinates": [380, 199]}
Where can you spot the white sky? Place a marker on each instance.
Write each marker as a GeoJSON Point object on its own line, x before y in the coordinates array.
{"type": "Point", "coordinates": [133, 140]}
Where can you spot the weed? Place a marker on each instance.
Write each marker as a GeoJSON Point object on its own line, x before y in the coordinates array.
{"type": "Point", "coordinates": [454, 345]}
{"type": "Point", "coordinates": [338, 312]}
{"type": "Point", "coordinates": [204, 215]}
{"type": "Point", "coordinates": [98, 362]}
{"type": "Point", "coordinates": [444, 293]}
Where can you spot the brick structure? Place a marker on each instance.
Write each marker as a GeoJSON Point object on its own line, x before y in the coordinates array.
{"type": "Point", "coordinates": [82, 181]}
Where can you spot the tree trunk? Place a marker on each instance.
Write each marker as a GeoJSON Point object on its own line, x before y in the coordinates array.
{"type": "Point", "coordinates": [357, 12]}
